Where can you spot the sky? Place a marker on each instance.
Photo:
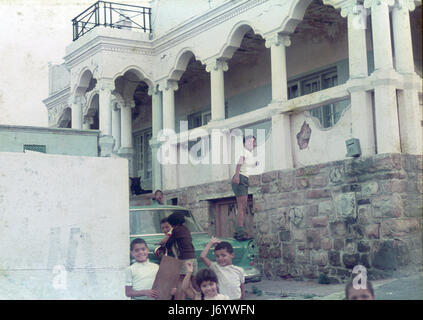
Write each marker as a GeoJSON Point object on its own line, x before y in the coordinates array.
{"type": "Point", "coordinates": [32, 34]}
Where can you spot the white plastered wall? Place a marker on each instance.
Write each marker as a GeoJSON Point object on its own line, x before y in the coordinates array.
{"type": "Point", "coordinates": [64, 226]}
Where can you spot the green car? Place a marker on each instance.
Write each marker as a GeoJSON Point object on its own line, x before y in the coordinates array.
{"type": "Point", "coordinates": [145, 224]}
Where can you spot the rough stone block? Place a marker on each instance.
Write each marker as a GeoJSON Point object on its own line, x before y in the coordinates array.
{"type": "Point", "coordinates": [254, 181]}
{"type": "Point", "coordinates": [319, 181]}
{"type": "Point", "coordinates": [303, 257]}
{"type": "Point", "coordinates": [365, 260]}
{"type": "Point", "coordinates": [318, 194]}
{"type": "Point", "coordinates": [319, 258]}
{"type": "Point", "coordinates": [338, 229]}
{"type": "Point", "coordinates": [287, 181]}
{"type": "Point", "coordinates": [302, 183]}
{"type": "Point", "coordinates": [370, 188]}
{"type": "Point", "coordinates": [334, 258]}
{"type": "Point", "coordinates": [345, 205]}
{"type": "Point", "coordinates": [321, 221]}
{"type": "Point", "coordinates": [372, 231]}
{"type": "Point", "coordinates": [298, 234]}
{"type": "Point", "coordinates": [326, 244]}
{"type": "Point", "coordinates": [338, 244]}
{"type": "Point", "coordinates": [387, 162]}
{"type": "Point", "coordinates": [285, 235]}
{"type": "Point", "coordinates": [275, 252]}
{"type": "Point", "coordinates": [363, 246]}
{"type": "Point", "coordinates": [312, 239]}
{"type": "Point", "coordinates": [288, 253]}
{"type": "Point", "coordinates": [364, 214]}
{"type": "Point", "coordinates": [350, 260]}
{"type": "Point", "coordinates": [269, 176]}
{"type": "Point", "coordinates": [384, 256]}
{"type": "Point", "coordinates": [399, 227]}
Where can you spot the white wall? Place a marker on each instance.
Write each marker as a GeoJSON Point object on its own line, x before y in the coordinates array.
{"type": "Point", "coordinates": [60, 212]}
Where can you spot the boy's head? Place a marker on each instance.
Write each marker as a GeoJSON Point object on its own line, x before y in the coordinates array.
{"type": "Point", "coordinates": [165, 225]}
{"type": "Point", "coordinates": [177, 218]}
{"type": "Point", "coordinates": [224, 253]}
{"type": "Point", "coordinates": [250, 142]}
{"type": "Point", "coordinates": [158, 195]}
{"type": "Point", "coordinates": [139, 250]}
{"type": "Point", "coordinates": [359, 294]}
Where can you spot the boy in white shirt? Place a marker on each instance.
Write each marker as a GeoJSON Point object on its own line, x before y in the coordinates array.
{"type": "Point", "coordinates": [231, 278]}
{"type": "Point", "coordinates": [141, 274]}
{"type": "Point", "coordinates": [246, 165]}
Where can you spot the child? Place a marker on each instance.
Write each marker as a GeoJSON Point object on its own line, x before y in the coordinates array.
{"type": "Point", "coordinates": [167, 230]}
{"type": "Point", "coordinates": [158, 197]}
{"type": "Point", "coordinates": [141, 274]}
{"type": "Point", "coordinates": [206, 280]}
{"type": "Point", "coordinates": [359, 294]}
{"type": "Point", "coordinates": [180, 242]}
{"type": "Point", "coordinates": [240, 184]}
{"type": "Point", "coordinates": [231, 278]}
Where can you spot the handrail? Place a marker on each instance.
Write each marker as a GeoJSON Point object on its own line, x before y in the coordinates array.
{"type": "Point", "coordinates": [113, 15]}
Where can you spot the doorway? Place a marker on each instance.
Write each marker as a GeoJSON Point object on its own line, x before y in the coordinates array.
{"type": "Point", "coordinates": [226, 211]}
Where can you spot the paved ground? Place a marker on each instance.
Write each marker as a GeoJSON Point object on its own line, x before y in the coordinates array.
{"type": "Point", "coordinates": [404, 288]}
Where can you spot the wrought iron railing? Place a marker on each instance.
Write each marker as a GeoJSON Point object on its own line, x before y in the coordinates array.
{"type": "Point", "coordinates": [114, 15]}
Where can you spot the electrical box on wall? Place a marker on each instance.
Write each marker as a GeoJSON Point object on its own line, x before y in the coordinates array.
{"type": "Point", "coordinates": [353, 147]}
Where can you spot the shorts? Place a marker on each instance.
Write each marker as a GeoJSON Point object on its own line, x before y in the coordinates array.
{"type": "Point", "coordinates": [241, 189]}
{"type": "Point", "coordinates": [194, 265]}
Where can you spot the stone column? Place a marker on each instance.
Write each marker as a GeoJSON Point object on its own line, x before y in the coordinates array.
{"type": "Point", "coordinates": [170, 171]}
{"type": "Point", "coordinates": [168, 87]}
{"type": "Point", "coordinates": [217, 86]}
{"type": "Point", "coordinates": [116, 122]}
{"type": "Point", "coordinates": [384, 79]}
{"type": "Point", "coordinates": [156, 106]}
{"type": "Point", "coordinates": [105, 112]}
{"type": "Point", "coordinates": [277, 44]}
{"type": "Point", "coordinates": [408, 103]}
{"type": "Point", "coordinates": [105, 87]}
{"type": "Point", "coordinates": [361, 103]}
{"type": "Point", "coordinates": [87, 122]}
{"type": "Point", "coordinates": [77, 112]}
{"type": "Point", "coordinates": [126, 146]}
{"type": "Point", "coordinates": [381, 31]}
{"type": "Point", "coordinates": [281, 127]}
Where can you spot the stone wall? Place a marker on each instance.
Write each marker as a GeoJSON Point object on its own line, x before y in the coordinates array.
{"type": "Point", "coordinates": [327, 218]}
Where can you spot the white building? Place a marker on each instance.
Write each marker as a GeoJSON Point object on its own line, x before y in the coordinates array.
{"type": "Point", "coordinates": [311, 73]}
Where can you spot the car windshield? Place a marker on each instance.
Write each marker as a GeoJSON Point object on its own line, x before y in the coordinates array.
{"type": "Point", "coordinates": [148, 221]}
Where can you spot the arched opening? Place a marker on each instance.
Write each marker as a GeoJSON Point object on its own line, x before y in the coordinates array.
{"type": "Point", "coordinates": [132, 88]}
{"type": "Point", "coordinates": [317, 58]}
{"type": "Point", "coordinates": [192, 99]}
{"type": "Point", "coordinates": [248, 79]}
{"type": "Point", "coordinates": [65, 119]}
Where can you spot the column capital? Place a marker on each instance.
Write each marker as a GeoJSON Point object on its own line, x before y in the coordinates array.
{"type": "Point", "coordinates": [105, 84]}
{"type": "Point", "coordinates": [277, 39]}
{"type": "Point", "coordinates": [88, 119]}
{"type": "Point", "coordinates": [168, 85]}
{"type": "Point", "coordinates": [153, 89]}
{"type": "Point", "coordinates": [410, 5]}
{"type": "Point", "coordinates": [373, 3]}
{"type": "Point", "coordinates": [127, 104]}
{"type": "Point", "coordinates": [216, 64]}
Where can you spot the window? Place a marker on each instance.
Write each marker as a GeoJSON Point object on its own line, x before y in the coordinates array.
{"type": "Point", "coordinates": [143, 161]}
{"type": "Point", "coordinates": [35, 147]}
{"type": "Point", "coordinates": [198, 119]}
{"type": "Point", "coordinates": [328, 115]}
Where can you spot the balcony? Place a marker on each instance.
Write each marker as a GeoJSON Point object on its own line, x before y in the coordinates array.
{"type": "Point", "coordinates": [113, 15]}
